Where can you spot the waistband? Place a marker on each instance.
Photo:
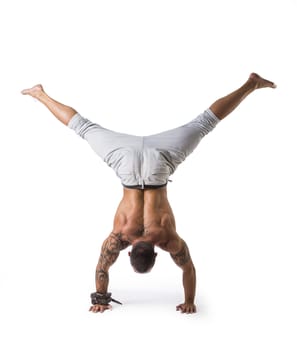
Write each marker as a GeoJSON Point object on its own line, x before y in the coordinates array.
{"type": "Point", "coordinates": [145, 187]}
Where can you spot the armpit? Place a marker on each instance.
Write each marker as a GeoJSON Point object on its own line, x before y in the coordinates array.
{"type": "Point", "coordinates": [183, 256]}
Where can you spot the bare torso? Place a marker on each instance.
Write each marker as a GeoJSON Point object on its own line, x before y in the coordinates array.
{"type": "Point", "coordinates": [147, 215]}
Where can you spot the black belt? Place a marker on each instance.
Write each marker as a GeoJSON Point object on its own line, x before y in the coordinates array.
{"type": "Point", "coordinates": [145, 187]}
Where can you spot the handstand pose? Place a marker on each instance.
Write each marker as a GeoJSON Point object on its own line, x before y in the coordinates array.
{"type": "Point", "coordinates": [144, 218]}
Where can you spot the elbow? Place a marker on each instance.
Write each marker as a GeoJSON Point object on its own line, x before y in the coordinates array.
{"type": "Point", "coordinates": [189, 268]}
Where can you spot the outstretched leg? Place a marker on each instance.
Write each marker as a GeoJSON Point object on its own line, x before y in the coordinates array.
{"type": "Point", "coordinates": [62, 112]}
{"type": "Point", "coordinates": [224, 106]}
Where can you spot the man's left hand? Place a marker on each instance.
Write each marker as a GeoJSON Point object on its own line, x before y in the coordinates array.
{"type": "Point", "coordinates": [186, 308]}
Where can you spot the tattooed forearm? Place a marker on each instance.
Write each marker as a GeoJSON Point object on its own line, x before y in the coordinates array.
{"type": "Point", "coordinates": [110, 251]}
{"type": "Point", "coordinates": [102, 280]}
{"type": "Point", "coordinates": [183, 256]}
{"type": "Point", "coordinates": [102, 276]}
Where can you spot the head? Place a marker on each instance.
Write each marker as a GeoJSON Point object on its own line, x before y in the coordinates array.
{"type": "Point", "coordinates": [142, 256]}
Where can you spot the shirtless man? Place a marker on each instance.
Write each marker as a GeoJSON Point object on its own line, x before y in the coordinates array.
{"type": "Point", "coordinates": [144, 218]}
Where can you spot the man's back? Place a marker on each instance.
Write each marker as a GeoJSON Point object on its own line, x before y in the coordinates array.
{"type": "Point", "coordinates": [146, 214]}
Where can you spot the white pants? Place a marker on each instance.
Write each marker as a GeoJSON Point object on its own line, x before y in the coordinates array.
{"type": "Point", "coordinates": [141, 161]}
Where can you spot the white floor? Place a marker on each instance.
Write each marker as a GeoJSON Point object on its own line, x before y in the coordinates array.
{"type": "Point", "coordinates": [142, 67]}
{"type": "Point", "coordinates": [238, 307]}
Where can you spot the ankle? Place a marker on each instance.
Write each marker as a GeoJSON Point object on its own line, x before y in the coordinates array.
{"type": "Point", "coordinates": [251, 84]}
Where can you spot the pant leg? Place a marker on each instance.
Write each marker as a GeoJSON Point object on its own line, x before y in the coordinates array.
{"type": "Point", "coordinates": [103, 141]}
{"type": "Point", "coordinates": [121, 152]}
{"type": "Point", "coordinates": [176, 144]}
{"type": "Point", "coordinates": [186, 137]}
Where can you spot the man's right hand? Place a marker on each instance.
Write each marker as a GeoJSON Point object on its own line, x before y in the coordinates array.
{"type": "Point", "coordinates": [100, 308]}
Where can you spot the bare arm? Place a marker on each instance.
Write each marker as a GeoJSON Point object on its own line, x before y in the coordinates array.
{"type": "Point", "coordinates": [183, 259]}
{"type": "Point", "coordinates": [110, 251]}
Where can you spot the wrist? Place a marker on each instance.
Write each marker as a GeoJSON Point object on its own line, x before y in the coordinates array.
{"type": "Point", "coordinates": [189, 300]}
{"type": "Point", "coordinates": [102, 299]}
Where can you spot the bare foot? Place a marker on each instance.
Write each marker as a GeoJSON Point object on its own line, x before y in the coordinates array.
{"type": "Point", "coordinates": [259, 82]}
{"type": "Point", "coordinates": [35, 91]}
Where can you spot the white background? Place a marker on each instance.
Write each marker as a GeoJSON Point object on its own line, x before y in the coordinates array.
{"type": "Point", "coordinates": [143, 67]}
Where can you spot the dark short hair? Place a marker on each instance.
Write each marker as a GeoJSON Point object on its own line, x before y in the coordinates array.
{"type": "Point", "coordinates": [142, 256]}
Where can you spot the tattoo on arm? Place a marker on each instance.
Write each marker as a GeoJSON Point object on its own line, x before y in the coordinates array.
{"type": "Point", "coordinates": [102, 280]}
{"type": "Point", "coordinates": [110, 251]}
{"type": "Point", "coordinates": [102, 276]}
{"type": "Point", "coordinates": [183, 256]}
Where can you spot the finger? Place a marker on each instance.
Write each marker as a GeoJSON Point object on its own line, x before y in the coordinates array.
{"type": "Point", "coordinates": [107, 307]}
{"type": "Point", "coordinates": [102, 309]}
{"type": "Point", "coordinates": [192, 310]}
{"type": "Point", "coordinates": [181, 309]}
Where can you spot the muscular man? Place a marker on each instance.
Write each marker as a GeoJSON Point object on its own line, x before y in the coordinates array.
{"type": "Point", "coordinates": [144, 218]}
